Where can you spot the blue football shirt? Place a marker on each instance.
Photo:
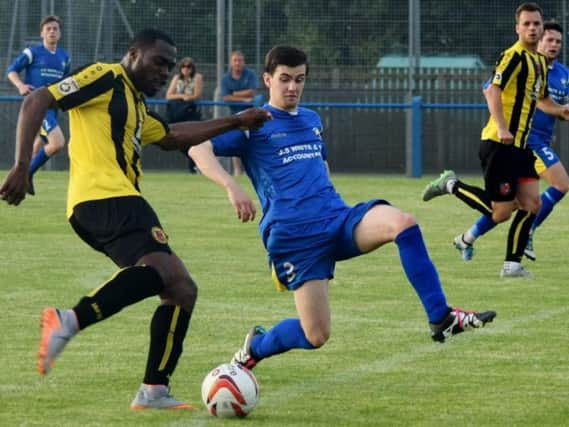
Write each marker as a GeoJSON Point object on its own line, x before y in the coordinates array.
{"type": "Point", "coordinates": [285, 161]}
{"type": "Point", "coordinates": [42, 66]}
{"type": "Point", "coordinates": [543, 124]}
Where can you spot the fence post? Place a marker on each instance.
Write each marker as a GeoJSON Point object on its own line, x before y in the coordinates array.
{"type": "Point", "coordinates": [416, 138]}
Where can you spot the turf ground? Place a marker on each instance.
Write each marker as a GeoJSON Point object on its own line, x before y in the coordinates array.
{"type": "Point", "coordinates": [380, 368]}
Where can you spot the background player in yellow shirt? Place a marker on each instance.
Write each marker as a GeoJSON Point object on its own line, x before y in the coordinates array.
{"type": "Point", "coordinates": [518, 86]}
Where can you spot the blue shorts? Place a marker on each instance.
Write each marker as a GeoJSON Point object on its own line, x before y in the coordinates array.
{"type": "Point", "coordinates": [546, 156]}
{"type": "Point", "coordinates": [309, 251]}
{"type": "Point", "coordinates": [50, 121]}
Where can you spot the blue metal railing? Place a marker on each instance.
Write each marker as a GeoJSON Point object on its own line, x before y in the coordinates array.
{"type": "Point", "coordinates": [415, 140]}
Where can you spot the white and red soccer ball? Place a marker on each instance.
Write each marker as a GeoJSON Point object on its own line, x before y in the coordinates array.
{"type": "Point", "coordinates": [230, 390]}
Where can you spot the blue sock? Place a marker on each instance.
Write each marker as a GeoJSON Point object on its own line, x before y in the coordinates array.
{"type": "Point", "coordinates": [38, 161]}
{"type": "Point", "coordinates": [421, 272]}
{"type": "Point", "coordinates": [284, 336]}
{"type": "Point", "coordinates": [482, 226]}
{"type": "Point", "coordinates": [549, 198]}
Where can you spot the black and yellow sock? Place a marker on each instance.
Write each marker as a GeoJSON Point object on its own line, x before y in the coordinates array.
{"type": "Point", "coordinates": [518, 235]}
{"type": "Point", "coordinates": [126, 287]}
{"type": "Point", "coordinates": [167, 332]}
{"type": "Point", "coordinates": [475, 197]}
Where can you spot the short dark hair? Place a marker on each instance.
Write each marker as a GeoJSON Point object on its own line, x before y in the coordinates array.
{"type": "Point", "coordinates": [553, 26]}
{"type": "Point", "coordinates": [48, 19]}
{"type": "Point", "coordinates": [285, 55]}
{"type": "Point", "coordinates": [148, 37]}
{"type": "Point", "coordinates": [528, 7]}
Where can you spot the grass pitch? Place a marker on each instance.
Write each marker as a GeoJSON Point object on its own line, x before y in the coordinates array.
{"type": "Point", "coordinates": [379, 368]}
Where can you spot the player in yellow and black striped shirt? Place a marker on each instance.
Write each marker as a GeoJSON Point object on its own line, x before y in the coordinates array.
{"type": "Point", "coordinates": [109, 125]}
{"type": "Point", "coordinates": [518, 86]}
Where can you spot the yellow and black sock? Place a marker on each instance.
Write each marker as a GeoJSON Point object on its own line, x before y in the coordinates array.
{"type": "Point", "coordinates": [126, 287]}
{"type": "Point", "coordinates": [475, 197]}
{"type": "Point", "coordinates": [518, 235]}
{"type": "Point", "coordinates": [167, 332]}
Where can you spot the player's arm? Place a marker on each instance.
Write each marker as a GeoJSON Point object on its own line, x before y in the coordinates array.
{"type": "Point", "coordinates": [549, 106]}
{"type": "Point", "coordinates": [23, 88]}
{"type": "Point", "coordinates": [239, 96]}
{"type": "Point", "coordinates": [15, 68]}
{"type": "Point", "coordinates": [32, 112]}
{"type": "Point", "coordinates": [209, 166]}
{"type": "Point", "coordinates": [183, 135]}
{"type": "Point", "coordinates": [493, 95]}
{"type": "Point", "coordinates": [198, 88]}
{"type": "Point", "coordinates": [245, 93]}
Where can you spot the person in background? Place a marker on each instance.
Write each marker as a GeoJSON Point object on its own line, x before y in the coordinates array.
{"type": "Point", "coordinates": [43, 64]}
{"type": "Point", "coordinates": [239, 84]}
{"type": "Point", "coordinates": [185, 88]}
{"type": "Point", "coordinates": [306, 226]}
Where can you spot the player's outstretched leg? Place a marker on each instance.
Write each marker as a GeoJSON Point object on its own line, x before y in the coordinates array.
{"type": "Point", "coordinates": [439, 186]}
{"type": "Point", "coordinates": [458, 321]}
{"type": "Point", "coordinates": [150, 396]}
{"type": "Point", "coordinates": [243, 356]}
{"type": "Point", "coordinates": [58, 327]}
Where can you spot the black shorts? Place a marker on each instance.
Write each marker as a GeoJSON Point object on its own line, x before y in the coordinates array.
{"type": "Point", "coordinates": [504, 166]}
{"type": "Point", "coordinates": [123, 228]}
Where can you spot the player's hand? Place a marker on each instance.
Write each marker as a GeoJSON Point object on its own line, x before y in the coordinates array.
{"type": "Point", "coordinates": [506, 136]}
{"type": "Point", "coordinates": [25, 89]}
{"type": "Point", "coordinates": [564, 113]}
{"type": "Point", "coordinates": [241, 202]}
{"type": "Point", "coordinates": [15, 185]}
{"type": "Point", "coordinates": [253, 118]}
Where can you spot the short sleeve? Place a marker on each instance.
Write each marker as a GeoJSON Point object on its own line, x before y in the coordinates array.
{"type": "Point", "coordinates": [82, 85]}
{"type": "Point", "coordinates": [506, 68]}
{"type": "Point", "coordinates": [154, 129]}
{"type": "Point", "coordinates": [230, 143]}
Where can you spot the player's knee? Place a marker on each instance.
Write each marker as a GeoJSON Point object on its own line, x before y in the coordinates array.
{"type": "Point", "coordinates": [57, 144]}
{"type": "Point", "coordinates": [532, 204]}
{"type": "Point", "coordinates": [501, 216]}
{"type": "Point", "coordinates": [55, 141]}
{"type": "Point", "coordinates": [562, 187]}
{"type": "Point", "coordinates": [318, 336]}
{"type": "Point", "coordinates": [403, 222]}
{"type": "Point", "coordinates": [181, 291]}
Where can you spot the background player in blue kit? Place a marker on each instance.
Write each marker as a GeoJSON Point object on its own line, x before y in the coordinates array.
{"type": "Point", "coordinates": [43, 64]}
{"type": "Point", "coordinates": [307, 227]}
{"type": "Point", "coordinates": [547, 165]}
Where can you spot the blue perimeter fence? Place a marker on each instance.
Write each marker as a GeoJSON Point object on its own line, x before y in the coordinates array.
{"type": "Point", "coordinates": [400, 143]}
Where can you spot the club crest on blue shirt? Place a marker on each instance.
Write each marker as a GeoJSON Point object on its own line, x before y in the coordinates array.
{"type": "Point", "coordinates": [317, 132]}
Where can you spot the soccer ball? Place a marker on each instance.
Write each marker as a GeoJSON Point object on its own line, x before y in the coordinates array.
{"type": "Point", "coordinates": [230, 390]}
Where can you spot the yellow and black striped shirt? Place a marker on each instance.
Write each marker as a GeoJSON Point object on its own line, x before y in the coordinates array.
{"type": "Point", "coordinates": [109, 124]}
{"type": "Point", "coordinates": [522, 76]}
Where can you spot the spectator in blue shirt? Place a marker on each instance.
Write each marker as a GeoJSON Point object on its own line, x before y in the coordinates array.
{"type": "Point", "coordinates": [44, 64]}
{"type": "Point", "coordinates": [238, 85]}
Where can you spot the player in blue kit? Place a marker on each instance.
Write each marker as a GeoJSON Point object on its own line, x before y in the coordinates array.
{"type": "Point", "coordinates": [547, 164]}
{"type": "Point", "coordinates": [43, 64]}
{"type": "Point", "coordinates": [306, 226]}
